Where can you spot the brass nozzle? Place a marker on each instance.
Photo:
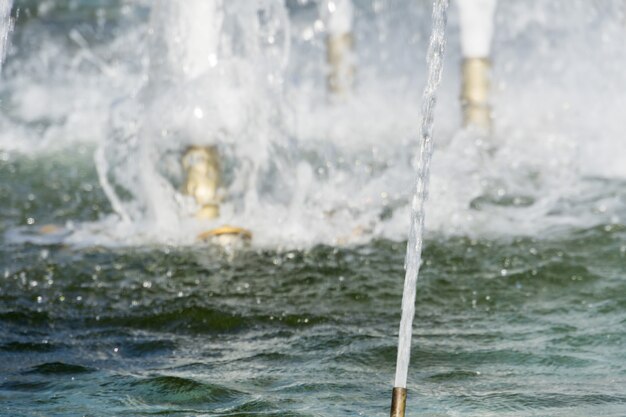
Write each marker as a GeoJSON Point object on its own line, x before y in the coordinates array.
{"type": "Point", "coordinates": [476, 73]}
{"type": "Point", "coordinates": [226, 230]}
{"type": "Point", "coordinates": [201, 164]}
{"type": "Point", "coordinates": [398, 402]}
{"type": "Point", "coordinates": [341, 68]}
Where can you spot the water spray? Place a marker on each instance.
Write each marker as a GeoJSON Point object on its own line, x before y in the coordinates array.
{"type": "Point", "coordinates": [414, 247]}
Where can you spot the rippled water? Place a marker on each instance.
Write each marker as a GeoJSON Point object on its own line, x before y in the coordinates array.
{"type": "Point", "coordinates": [511, 326]}
{"type": "Point", "coordinates": [521, 306]}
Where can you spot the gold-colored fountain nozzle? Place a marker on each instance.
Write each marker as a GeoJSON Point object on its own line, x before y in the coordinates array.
{"type": "Point", "coordinates": [475, 89]}
{"type": "Point", "coordinates": [201, 164]}
{"type": "Point", "coordinates": [398, 402]}
{"type": "Point", "coordinates": [227, 236]}
{"type": "Point", "coordinates": [341, 68]}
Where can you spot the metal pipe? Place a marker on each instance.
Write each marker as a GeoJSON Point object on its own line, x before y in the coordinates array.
{"type": "Point", "coordinates": [398, 402]}
{"type": "Point", "coordinates": [475, 88]}
{"type": "Point", "coordinates": [338, 16]}
{"type": "Point", "coordinates": [201, 164]}
{"type": "Point", "coordinates": [341, 69]}
{"type": "Point", "coordinates": [477, 28]}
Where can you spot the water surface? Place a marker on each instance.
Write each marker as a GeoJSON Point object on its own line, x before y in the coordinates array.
{"type": "Point", "coordinates": [515, 327]}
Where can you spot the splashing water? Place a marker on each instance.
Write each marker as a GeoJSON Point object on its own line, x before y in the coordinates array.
{"type": "Point", "coordinates": [416, 234]}
{"type": "Point", "coordinates": [202, 84]}
{"type": "Point", "coordinates": [6, 25]}
{"type": "Point", "coordinates": [299, 172]}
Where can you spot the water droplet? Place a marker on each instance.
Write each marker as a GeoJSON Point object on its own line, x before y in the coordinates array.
{"type": "Point", "coordinates": [318, 25]}
{"type": "Point", "coordinates": [307, 34]}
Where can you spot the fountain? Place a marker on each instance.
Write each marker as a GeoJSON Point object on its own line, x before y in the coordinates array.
{"type": "Point", "coordinates": [515, 293]}
{"type": "Point", "coordinates": [161, 166]}
{"type": "Point", "coordinates": [416, 235]}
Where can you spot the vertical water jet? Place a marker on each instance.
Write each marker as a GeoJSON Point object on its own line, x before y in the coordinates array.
{"type": "Point", "coordinates": [414, 247]}
{"type": "Point", "coordinates": [6, 26]}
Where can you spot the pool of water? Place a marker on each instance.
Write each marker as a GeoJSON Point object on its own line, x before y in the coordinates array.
{"type": "Point", "coordinates": [521, 303]}
{"type": "Point", "coordinates": [509, 326]}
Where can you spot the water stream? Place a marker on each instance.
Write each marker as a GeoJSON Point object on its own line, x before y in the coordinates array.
{"type": "Point", "coordinates": [413, 259]}
{"type": "Point", "coordinates": [6, 25]}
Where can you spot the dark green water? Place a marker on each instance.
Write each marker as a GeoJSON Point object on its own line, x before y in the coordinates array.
{"type": "Point", "coordinates": [507, 327]}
